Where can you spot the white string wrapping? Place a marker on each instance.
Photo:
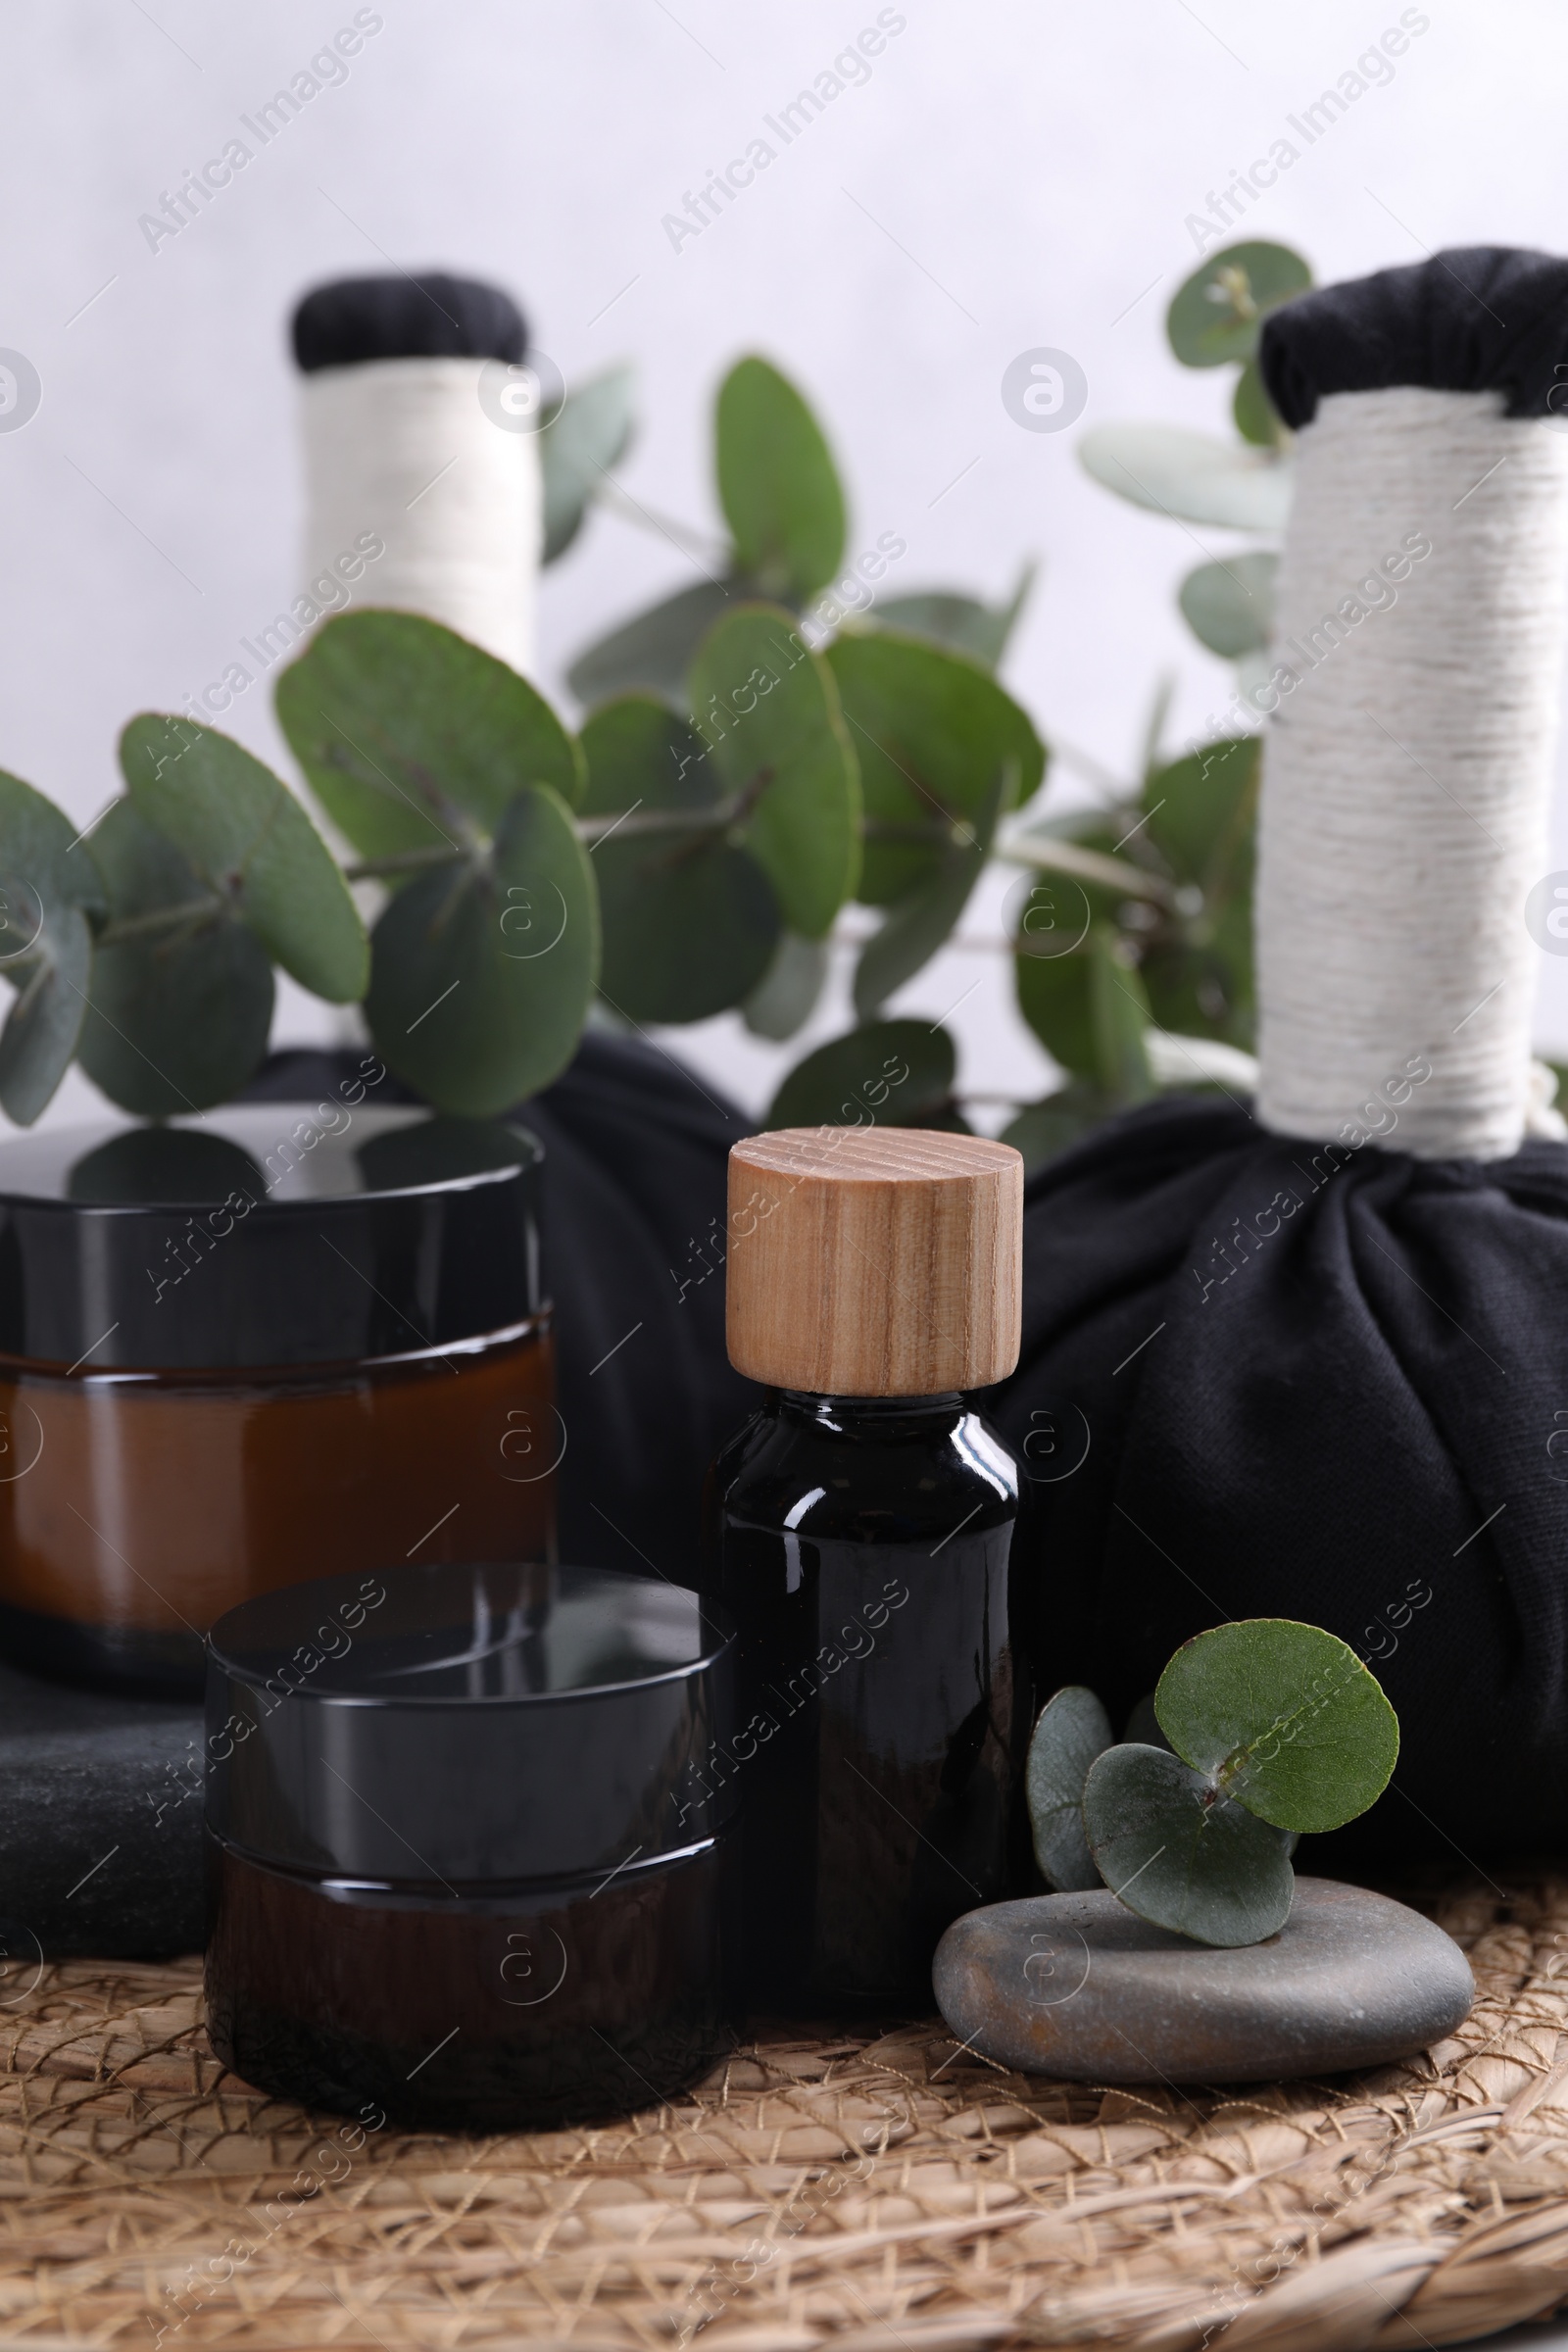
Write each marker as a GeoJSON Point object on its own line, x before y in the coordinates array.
{"type": "Point", "coordinates": [404, 448]}
{"type": "Point", "coordinates": [1407, 771]}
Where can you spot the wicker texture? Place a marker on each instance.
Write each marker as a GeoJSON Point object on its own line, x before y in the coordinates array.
{"type": "Point", "coordinates": [867, 2192]}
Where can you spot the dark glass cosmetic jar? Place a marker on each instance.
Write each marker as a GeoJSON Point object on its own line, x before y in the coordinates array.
{"type": "Point", "coordinates": [462, 1860]}
{"type": "Point", "coordinates": [237, 1350]}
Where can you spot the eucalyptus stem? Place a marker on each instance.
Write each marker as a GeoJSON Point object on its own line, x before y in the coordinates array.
{"type": "Point", "coordinates": [440, 808]}
{"type": "Point", "coordinates": [401, 861]}
{"type": "Point", "coordinates": [717, 817]}
{"type": "Point", "coordinates": [1087, 865]}
{"type": "Point", "coordinates": [191, 913]}
{"type": "Point", "coordinates": [1094, 771]}
{"type": "Point", "coordinates": [696, 544]}
{"type": "Point", "coordinates": [713, 818]}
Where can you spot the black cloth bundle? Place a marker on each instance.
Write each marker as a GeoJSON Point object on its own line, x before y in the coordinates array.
{"type": "Point", "coordinates": [1475, 319]}
{"type": "Point", "coordinates": [1266, 1378]}
{"type": "Point", "coordinates": [437, 315]}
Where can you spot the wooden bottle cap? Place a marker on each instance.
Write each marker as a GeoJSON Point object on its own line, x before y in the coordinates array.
{"type": "Point", "coordinates": [874, 1261]}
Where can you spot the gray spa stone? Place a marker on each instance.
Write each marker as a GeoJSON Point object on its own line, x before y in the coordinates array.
{"type": "Point", "coordinates": [100, 1826]}
{"type": "Point", "coordinates": [1077, 1986]}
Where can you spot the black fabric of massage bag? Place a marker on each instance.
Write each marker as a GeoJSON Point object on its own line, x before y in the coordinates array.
{"type": "Point", "coordinates": [1316, 1390]}
{"type": "Point", "coordinates": [1308, 1388]}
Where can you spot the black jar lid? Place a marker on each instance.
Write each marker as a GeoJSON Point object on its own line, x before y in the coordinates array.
{"type": "Point", "coordinates": [280, 1235]}
{"type": "Point", "coordinates": [445, 1728]}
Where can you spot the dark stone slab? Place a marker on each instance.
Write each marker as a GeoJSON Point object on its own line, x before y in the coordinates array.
{"type": "Point", "coordinates": [1077, 1986]}
{"type": "Point", "coordinates": [100, 1826]}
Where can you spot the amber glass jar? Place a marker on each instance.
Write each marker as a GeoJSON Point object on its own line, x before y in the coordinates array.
{"type": "Point", "coordinates": [239, 1353]}
{"type": "Point", "coordinates": [462, 1861]}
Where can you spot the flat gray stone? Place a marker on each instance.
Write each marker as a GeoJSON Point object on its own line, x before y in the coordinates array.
{"type": "Point", "coordinates": [100, 1827]}
{"type": "Point", "coordinates": [1078, 1986]}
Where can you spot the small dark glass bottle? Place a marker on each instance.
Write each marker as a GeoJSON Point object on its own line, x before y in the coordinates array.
{"type": "Point", "coordinates": [861, 1532]}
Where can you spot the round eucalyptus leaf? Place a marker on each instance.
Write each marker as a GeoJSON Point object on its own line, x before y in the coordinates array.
{"type": "Point", "coordinates": [1089, 1010]}
{"type": "Point", "coordinates": [1142, 1725]}
{"type": "Point", "coordinates": [1047, 912]}
{"type": "Point", "coordinates": [932, 732]}
{"type": "Point", "coordinates": [49, 885]}
{"type": "Point", "coordinates": [1229, 606]}
{"type": "Point", "coordinates": [44, 861]}
{"type": "Point", "coordinates": [961, 624]}
{"type": "Point", "coordinates": [1217, 315]}
{"type": "Point", "coordinates": [1202, 810]}
{"type": "Point", "coordinates": [180, 1024]}
{"type": "Point", "coordinates": [1043, 1130]}
{"type": "Point", "coordinates": [1120, 1017]}
{"type": "Point", "coordinates": [1193, 477]}
{"type": "Point", "coordinates": [1055, 997]}
{"type": "Point", "coordinates": [652, 651]}
{"type": "Point", "coordinates": [1254, 411]}
{"type": "Point", "coordinates": [588, 433]}
{"type": "Point", "coordinates": [1233, 949]}
{"type": "Point", "coordinates": [917, 926]}
{"type": "Point", "coordinates": [1180, 1855]}
{"type": "Point", "coordinates": [179, 1014]}
{"type": "Point", "coordinates": [1072, 1731]}
{"type": "Point", "coordinates": [642, 756]}
{"type": "Point", "coordinates": [770, 711]}
{"type": "Point", "coordinates": [410, 736]}
{"type": "Point", "coordinates": [890, 1074]}
{"type": "Point", "coordinates": [481, 973]}
{"type": "Point", "coordinates": [778, 483]}
{"type": "Point", "coordinates": [246, 837]}
{"type": "Point", "coordinates": [689, 925]}
{"type": "Point", "coordinates": [785, 997]}
{"type": "Point", "coordinates": [1194, 993]}
{"type": "Point", "coordinates": [43, 1028]}
{"type": "Point", "coordinates": [1284, 1717]}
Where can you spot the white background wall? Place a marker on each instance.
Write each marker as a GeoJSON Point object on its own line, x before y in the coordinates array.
{"type": "Point", "coordinates": [1015, 174]}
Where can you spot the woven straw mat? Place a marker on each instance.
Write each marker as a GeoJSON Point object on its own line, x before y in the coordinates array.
{"type": "Point", "coordinates": [866, 2191]}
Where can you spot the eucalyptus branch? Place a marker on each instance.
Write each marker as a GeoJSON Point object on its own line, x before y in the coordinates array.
{"type": "Point", "coordinates": [1087, 865]}
{"type": "Point", "coordinates": [447, 811]}
{"type": "Point", "coordinates": [1093, 770]}
{"type": "Point", "coordinates": [402, 862]}
{"type": "Point", "coordinates": [190, 914]}
{"type": "Point", "coordinates": [696, 544]}
{"type": "Point", "coordinates": [717, 816]}
{"type": "Point", "coordinates": [442, 810]}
